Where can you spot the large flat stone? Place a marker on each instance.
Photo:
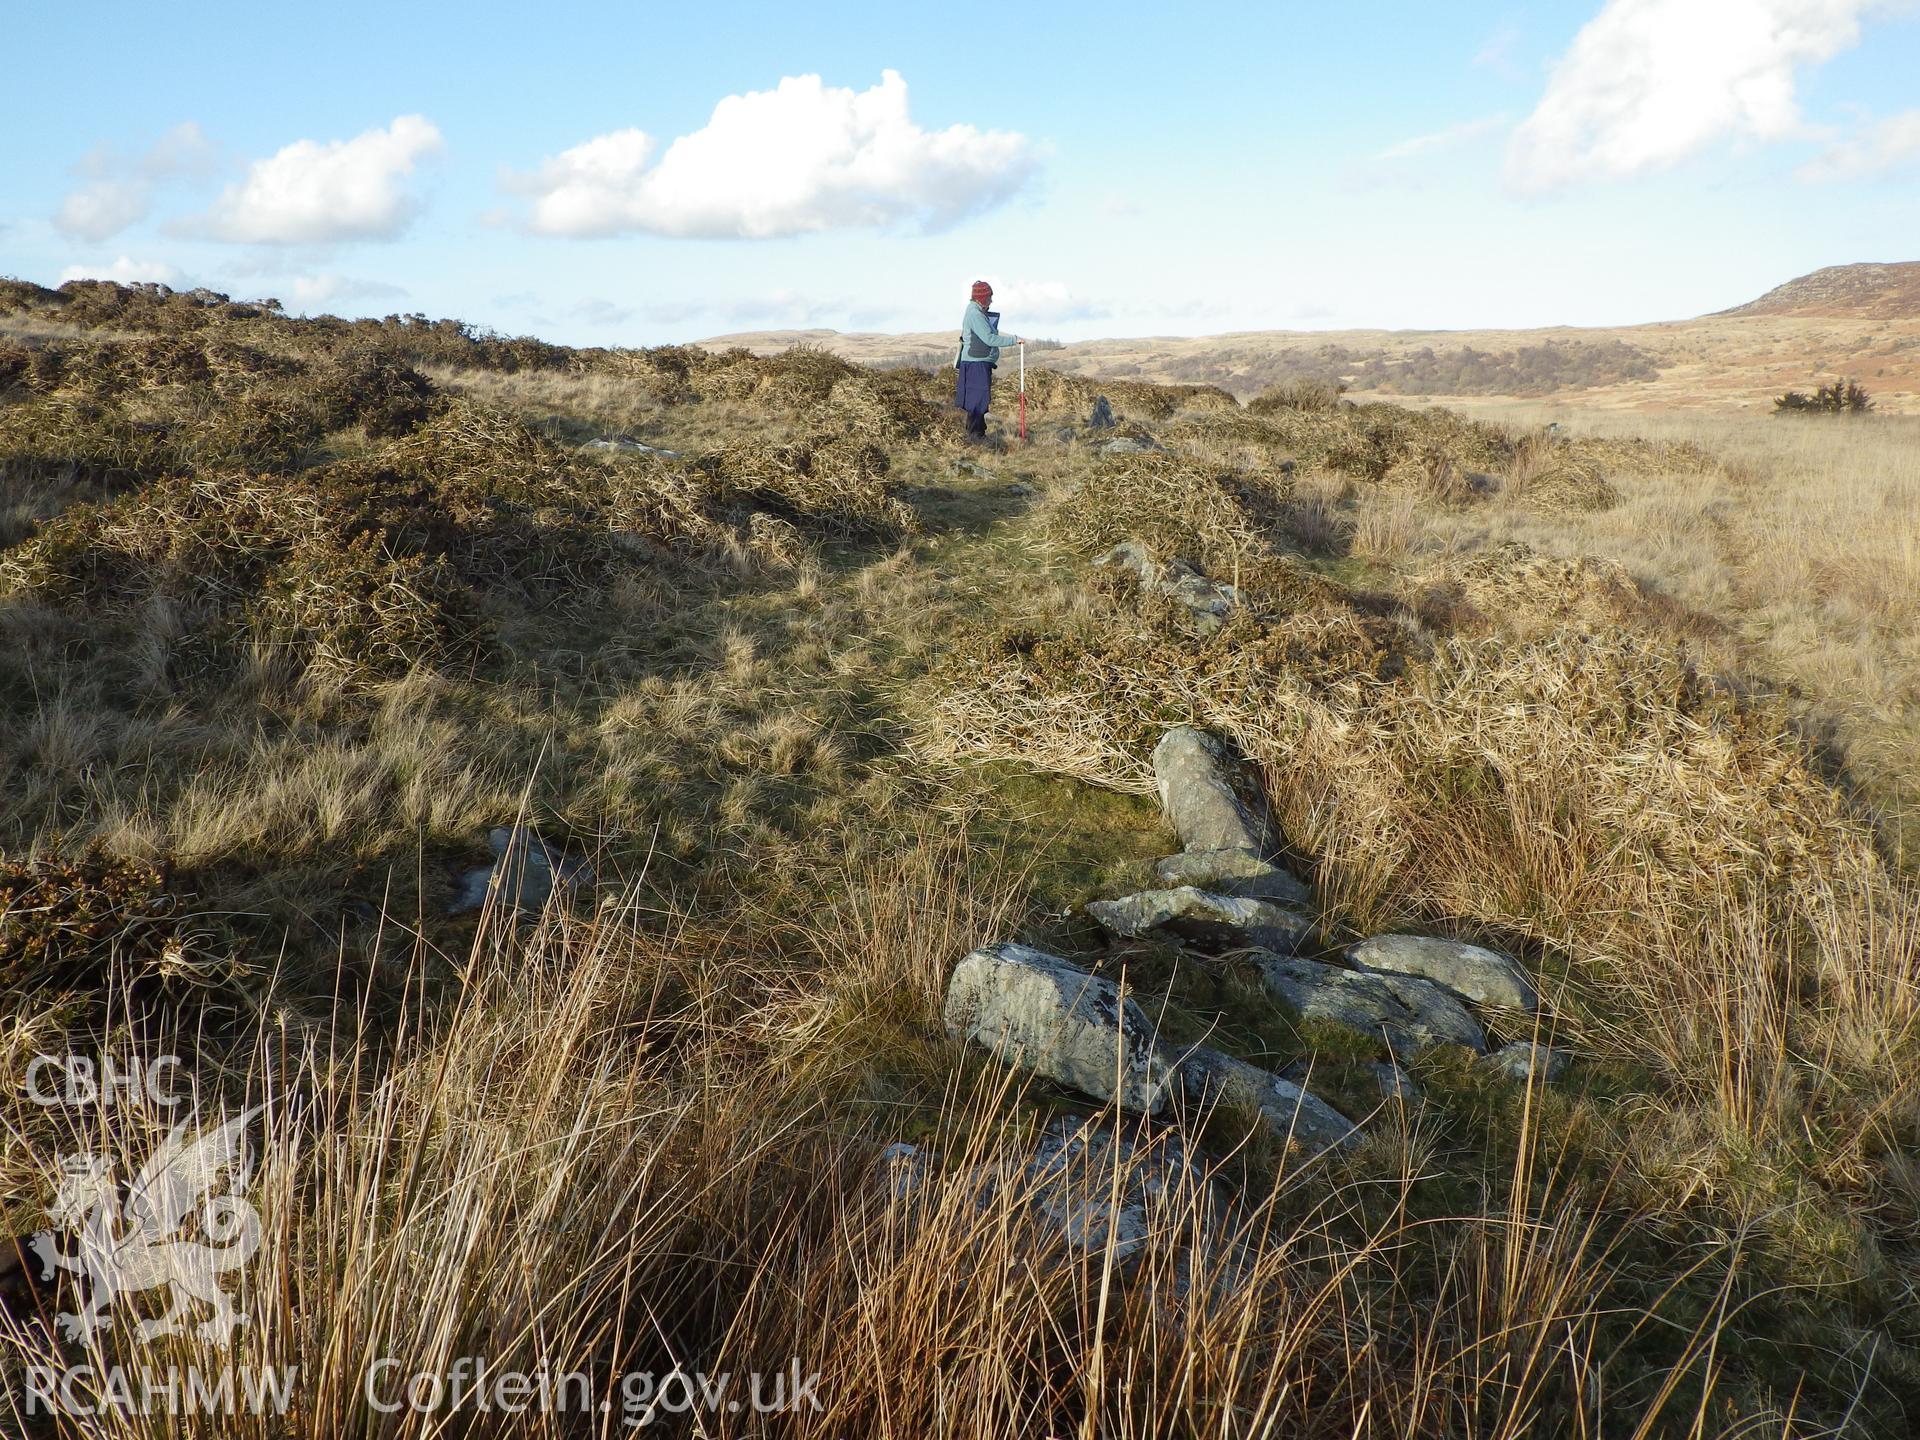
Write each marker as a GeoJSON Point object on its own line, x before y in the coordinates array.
{"type": "Point", "coordinates": [1244, 873]}
{"type": "Point", "coordinates": [1409, 1013]}
{"type": "Point", "coordinates": [1039, 1012]}
{"type": "Point", "coordinates": [1485, 977]}
{"type": "Point", "coordinates": [1219, 922]}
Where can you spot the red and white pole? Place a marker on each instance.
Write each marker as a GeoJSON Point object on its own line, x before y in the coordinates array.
{"type": "Point", "coordinates": [1023, 390]}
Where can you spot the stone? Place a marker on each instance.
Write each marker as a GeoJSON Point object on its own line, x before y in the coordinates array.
{"type": "Point", "coordinates": [1524, 1060]}
{"type": "Point", "coordinates": [1102, 416]}
{"type": "Point", "coordinates": [1409, 1013]}
{"type": "Point", "coordinates": [1040, 1013]}
{"type": "Point", "coordinates": [525, 872]}
{"type": "Point", "coordinates": [1209, 1078]}
{"type": "Point", "coordinates": [1207, 601]}
{"type": "Point", "coordinates": [1189, 769]}
{"type": "Point", "coordinates": [1484, 977]}
{"type": "Point", "coordinates": [1393, 1082]}
{"type": "Point", "coordinates": [1128, 445]}
{"type": "Point", "coordinates": [972, 469]}
{"type": "Point", "coordinates": [1019, 489]}
{"type": "Point", "coordinates": [627, 445]}
{"type": "Point", "coordinates": [1072, 1178]}
{"type": "Point", "coordinates": [1098, 1191]}
{"type": "Point", "coordinates": [1233, 872]}
{"type": "Point", "coordinates": [901, 1170]}
{"type": "Point", "coordinates": [1215, 921]}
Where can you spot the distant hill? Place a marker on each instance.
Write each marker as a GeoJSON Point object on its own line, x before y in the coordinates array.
{"type": "Point", "coordinates": [1853, 321]}
{"type": "Point", "coordinates": [1875, 292]}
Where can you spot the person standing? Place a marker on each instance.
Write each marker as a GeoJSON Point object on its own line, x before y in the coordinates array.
{"type": "Point", "coordinates": [980, 347]}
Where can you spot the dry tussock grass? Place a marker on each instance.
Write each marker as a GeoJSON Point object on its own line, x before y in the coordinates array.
{"type": "Point", "coordinates": [602, 1159]}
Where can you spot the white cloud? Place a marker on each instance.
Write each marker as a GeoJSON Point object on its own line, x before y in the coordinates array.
{"type": "Point", "coordinates": [127, 271]}
{"type": "Point", "coordinates": [1648, 83]}
{"type": "Point", "coordinates": [1496, 53]}
{"type": "Point", "coordinates": [798, 158]}
{"type": "Point", "coordinates": [1466, 132]}
{"type": "Point", "coordinates": [313, 192]}
{"type": "Point", "coordinates": [103, 209]}
{"type": "Point", "coordinates": [184, 152]}
{"type": "Point", "coordinates": [120, 191]}
{"type": "Point", "coordinates": [1025, 303]}
{"type": "Point", "coordinates": [308, 294]}
{"type": "Point", "coordinates": [1893, 144]}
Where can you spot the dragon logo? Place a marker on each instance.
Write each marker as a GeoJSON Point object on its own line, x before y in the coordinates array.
{"type": "Point", "coordinates": [143, 1243]}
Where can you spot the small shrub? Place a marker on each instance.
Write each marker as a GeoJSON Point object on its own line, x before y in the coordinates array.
{"type": "Point", "coordinates": [1842, 397]}
{"type": "Point", "coordinates": [62, 921]}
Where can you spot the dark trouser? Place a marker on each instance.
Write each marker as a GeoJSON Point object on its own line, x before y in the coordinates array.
{"type": "Point", "coordinates": [972, 392]}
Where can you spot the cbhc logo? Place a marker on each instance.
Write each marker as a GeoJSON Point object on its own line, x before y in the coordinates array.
{"type": "Point", "coordinates": [77, 1080]}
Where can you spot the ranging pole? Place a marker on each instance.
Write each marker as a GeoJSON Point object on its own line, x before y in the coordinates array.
{"type": "Point", "coordinates": [1023, 390]}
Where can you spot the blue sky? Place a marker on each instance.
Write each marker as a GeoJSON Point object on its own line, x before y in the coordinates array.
{"type": "Point", "coordinates": [1114, 169]}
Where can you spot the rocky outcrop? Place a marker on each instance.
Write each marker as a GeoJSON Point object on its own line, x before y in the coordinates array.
{"type": "Point", "coordinates": [1035, 1011]}
{"type": "Point", "coordinates": [1410, 1014]}
{"type": "Point", "coordinates": [1243, 873]}
{"type": "Point", "coordinates": [1189, 770]}
{"type": "Point", "coordinates": [1484, 977]}
{"type": "Point", "coordinates": [1215, 922]}
{"type": "Point", "coordinates": [1208, 602]}
{"type": "Point", "coordinates": [1042, 1014]}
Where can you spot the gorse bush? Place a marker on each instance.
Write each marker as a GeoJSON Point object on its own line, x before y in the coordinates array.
{"type": "Point", "coordinates": [1841, 397]}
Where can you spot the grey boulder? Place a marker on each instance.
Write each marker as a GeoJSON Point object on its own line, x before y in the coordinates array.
{"type": "Point", "coordinates": [1189, 770]}
{"type": "Point", "coordinates": [1485, 977]}
{"type": "Point", "coordinates": [1524, 1060]}
{"type": "Point", "coordinates": [1035, 1011]}
{"type": "Point", "coordinates": [1207, 602]}
{"type": "Point", "coordinates": [1209, 1078]}
{"type": "Point", "coordinates": [1221, 922]}
{"type": "Point", "coordinates": [1233, 872]}
{"type": "Point", "coordinates": [1410, 1014]}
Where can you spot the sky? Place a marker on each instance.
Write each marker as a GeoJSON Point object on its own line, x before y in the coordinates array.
{"type": "Point", "coordinates": [638, 173]}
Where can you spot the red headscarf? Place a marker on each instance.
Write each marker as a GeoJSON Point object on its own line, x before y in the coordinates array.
{"type": "Point", "coordinates": [983, 292]}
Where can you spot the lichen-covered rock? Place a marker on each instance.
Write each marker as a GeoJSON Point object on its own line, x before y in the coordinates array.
{"type": "Point", "coordinates": [1209, 1078]}
{"type": "Point", "coordinates": [1524, 1060]}
{"type": "Point", "coordinates": [1220, 922]}
{"type": "Point", "coordinates": [1189, 769]}
{"type": "Point", "coordinates": [1485, 977]}
{"type": "Point", "coordinates": [1039, 1012]}
{"type": "Point", "coordinates": [1207, 601]}
{"type": "Point", "coordinates": [1233, 872]}
{"type": "Point", "coordinates": [1409, 1013]}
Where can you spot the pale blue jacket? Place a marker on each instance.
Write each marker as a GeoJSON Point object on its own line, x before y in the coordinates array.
{"type": "Point", "coordinates": [978, 339]}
